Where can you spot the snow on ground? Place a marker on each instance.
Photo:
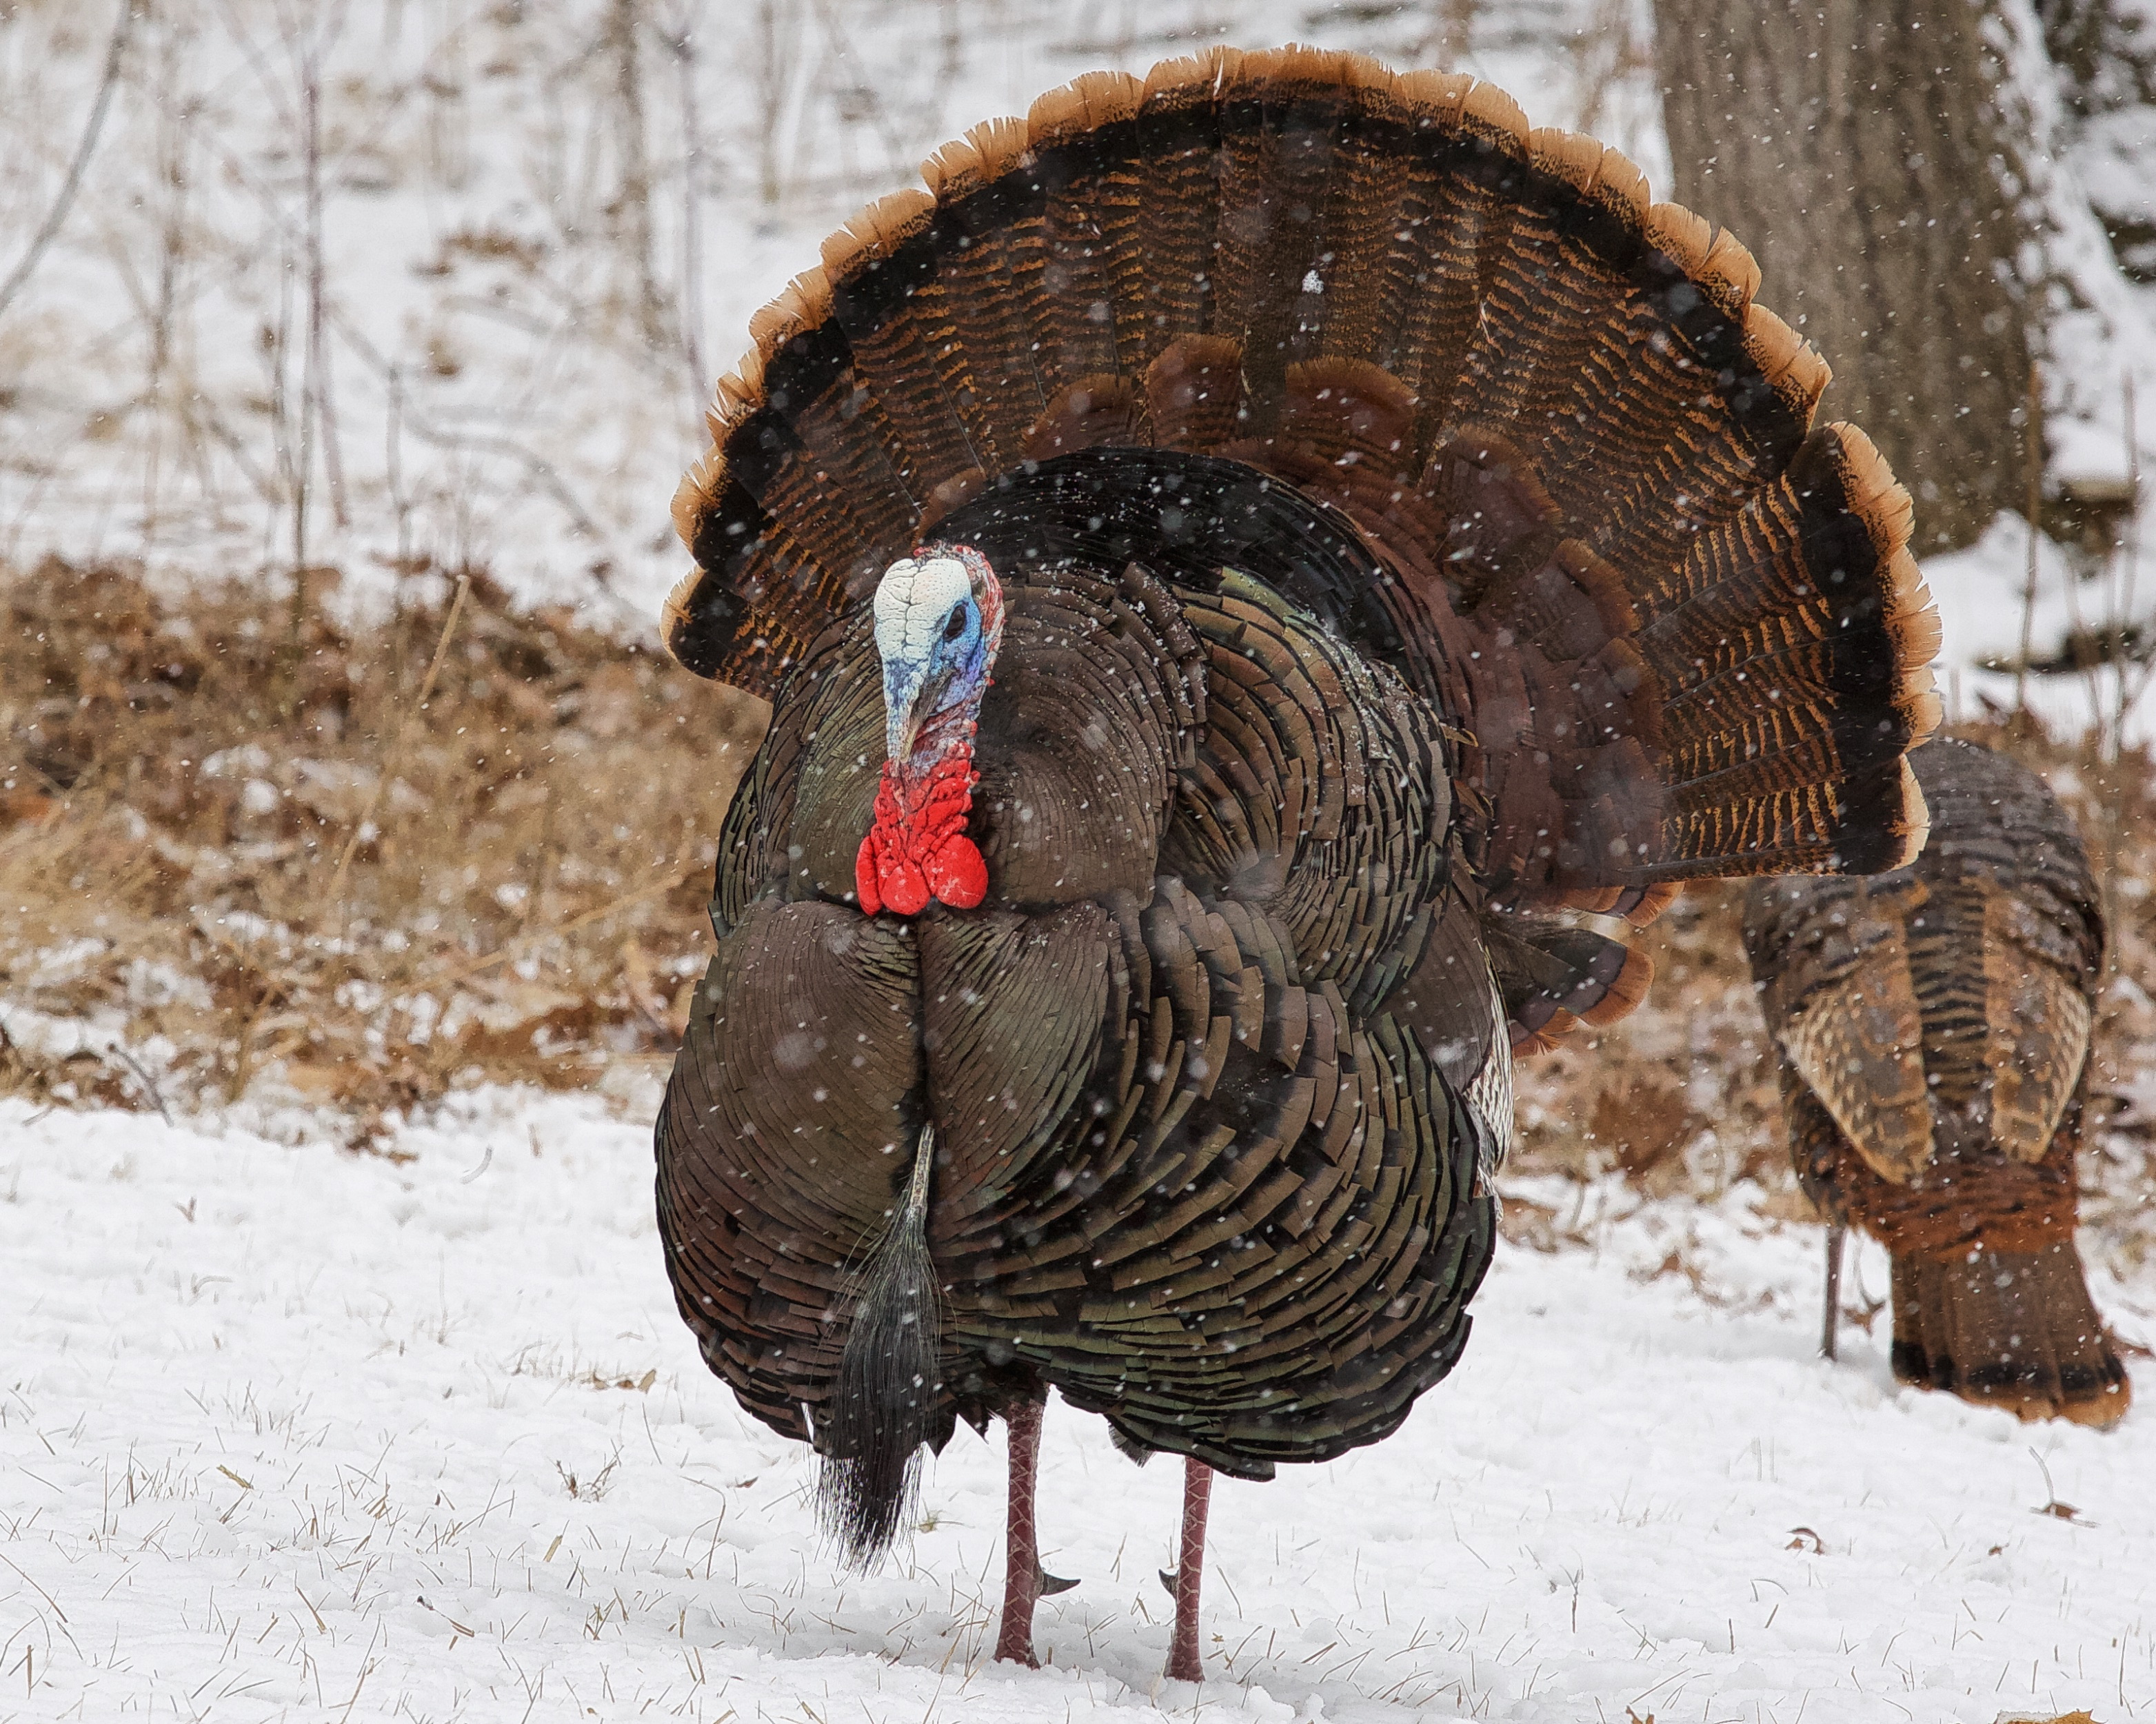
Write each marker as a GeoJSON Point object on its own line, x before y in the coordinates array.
{"type": "Point", "coordinates": [290, 1432]}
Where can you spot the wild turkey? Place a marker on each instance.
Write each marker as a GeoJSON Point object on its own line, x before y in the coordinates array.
{"type": "Point", "coordinates": [1932, 1026]}
{"type": "Point", "coordinates": [1246, 568]}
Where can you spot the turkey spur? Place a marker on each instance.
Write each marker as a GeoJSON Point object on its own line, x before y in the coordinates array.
{"type": "Point", "coordinates": [1263, 574]}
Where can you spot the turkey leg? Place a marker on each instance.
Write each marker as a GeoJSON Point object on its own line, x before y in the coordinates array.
{"type": "Point", "coordinates": [1184, 1663]}
{"type": "Point", "coordinates": [1022, 1575]}
{"type": "Point", "coordinates": [1830, 1340]}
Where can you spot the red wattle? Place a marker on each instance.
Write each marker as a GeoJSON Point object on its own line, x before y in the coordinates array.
{"type": "Point", "coordinates": [865, 876]}
{"type": "Point", "coordinates": [918, 848]}
{"type": "Point", "coordinates": [903, 887]}
{"type": "Point", "coordinates": [956, 874]}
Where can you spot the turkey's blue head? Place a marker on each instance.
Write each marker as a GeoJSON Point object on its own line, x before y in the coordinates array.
{"type": "Point", "coordinates": [939, 620]}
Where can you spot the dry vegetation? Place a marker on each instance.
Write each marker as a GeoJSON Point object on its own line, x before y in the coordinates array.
{"type": "Point", "coordinates": [234, 871]}
{"type": "Point", "coordinates": [234, 864]}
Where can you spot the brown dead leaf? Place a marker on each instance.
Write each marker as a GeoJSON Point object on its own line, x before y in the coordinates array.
{"type": "Point", "coordinates": [316, 1082]}
{"type": "Point", "coordinates": [27, 808]}
{"type": "Point", "coordinates": [1644, 1120]}
{"type": "Point", "coordinates": [644, 993]}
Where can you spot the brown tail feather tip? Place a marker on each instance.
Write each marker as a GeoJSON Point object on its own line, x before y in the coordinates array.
{"type": "Point", "coordinates": [2011, 1329]}
{"type": "Point", "coordinates": [876, 232]}
{"type": "Point", "coordinates": [1439, 96]}
{"type": "Point", "coordinates": [1083, 105]}
{"type": "Point", "coordinates": [1652, 902]}
{"type": "Point", "coordinates": [804, 305]}
{"type": "Point", "coordinates": [673, 614]}
{"type": "Point", "coordinates": [1684, 236]}
{"type": "Point", "coordinates": [1881, 504]}
{"type": "Point", "coordinates": [984, 155]}
{"type": "Point", "coordinates": [1916, 816]}
{"type": "Point", "coordinates": [1587, 165]}
{"type": "Point", "coordinates": [737, 395]}
{"type": "Point", "coordinates": [1626, 989]}
{"type": "Point", "coordinates": [1788, 362]}
{"type": "Point", "coordinates": [692, 498]}
{"type": "Point", "coordinates": [1731, 266]}
{"type": "Point", "coordinates": [1191, 76]}
{"type": "Point", "coordinates": [1570, 155]}
{"type": "Point", "coordinates": [1488, 109]}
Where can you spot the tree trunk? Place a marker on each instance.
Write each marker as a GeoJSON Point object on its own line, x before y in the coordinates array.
{"type": "Point", "coordinates": [1863, 152]}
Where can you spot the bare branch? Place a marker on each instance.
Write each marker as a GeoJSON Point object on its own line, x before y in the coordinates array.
{"type": "Point", "coordinates": [114, 52]}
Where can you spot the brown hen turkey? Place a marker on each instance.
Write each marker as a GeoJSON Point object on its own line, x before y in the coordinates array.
{"type": "Point", "coordinates": [1932, 1026]}
{"type": "Point", "coordinates": [1262, 572]}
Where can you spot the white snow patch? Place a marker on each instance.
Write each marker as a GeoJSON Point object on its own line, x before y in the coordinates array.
{"type": "Point", "coordinates": [289, 1432]}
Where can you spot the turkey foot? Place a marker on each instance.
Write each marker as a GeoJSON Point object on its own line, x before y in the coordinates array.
{"type": "Point", "coordinates": [1023, 1582]}
{"type": "Point", "coordinates": [1184, 1663]}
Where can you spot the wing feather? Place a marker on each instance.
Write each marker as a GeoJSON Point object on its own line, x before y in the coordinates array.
{"type": "Point", "coordinates": [1856, 1038]}
{"type": "Point", "coordinates": [2039, 1018]}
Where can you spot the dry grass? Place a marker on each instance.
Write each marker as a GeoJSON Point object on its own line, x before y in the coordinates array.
{"type": "Point", "coordinates": [529, 858]}
{"type": "Point", "coordinates": [529, 855]}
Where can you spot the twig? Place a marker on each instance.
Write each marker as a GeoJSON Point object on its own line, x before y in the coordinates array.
{"type": "Point", "coordinates": [2133, 432]}
{"type": "Point", "coordinates": [307, 64]}
{"type": "Point", "coordinates": [679, 37]}
{"type": "Point", "coordinates": [631, 206]}
{"type": "Point", "coordinates": [114, 52]}
{"type": "Point", "coordinates": [396, 756]}
{"type": "Point", "coordinates": [149, 1084]}
{"type": "Point", "coordinates": [2033, 444]}
{"type": "Point", "coordinates": [2128, 700]}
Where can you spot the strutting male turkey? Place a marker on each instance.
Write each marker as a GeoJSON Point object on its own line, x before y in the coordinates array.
{"type": "Point", "coordinates": [1933, 1030]}
{"type": "Point", "coordinates": [1261, 573]}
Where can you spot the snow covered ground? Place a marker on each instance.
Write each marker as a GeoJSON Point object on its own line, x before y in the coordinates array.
{"type": "Point", "coordinates": [291, 1433]}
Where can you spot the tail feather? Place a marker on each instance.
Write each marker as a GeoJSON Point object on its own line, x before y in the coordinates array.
{"type": "Point", "coordinates": [1082, 134]}
{"type": "Point", "coordinates": [2015, 1330]}
{"type": "Point", "coordinates": [1305, 205]}
{"type": "Point", "coordinates": [1793, 648]}
{"type": "Point", "coordinates": [883, 269]}
{"type": "Point", "coordinates": [889, 1388]}
{"type": "Point", "coordinates": [1176, 160]}
{"type": "Point", "coordinates": [978, 309]}
{"type": "Point", "coordinates": [1709, 639]}
{"type": "Point", "coordinates": [1552, 976]}
{"type": "Point", "coordinates": [1281, 165]}
{"type": "Point", "coordinates": [1458, 219]}
{"type": "Point", "coordinates": [1548, 289]}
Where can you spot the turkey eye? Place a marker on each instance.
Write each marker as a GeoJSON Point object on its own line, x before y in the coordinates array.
{"type": "Point", "coordinates": [956, 626]}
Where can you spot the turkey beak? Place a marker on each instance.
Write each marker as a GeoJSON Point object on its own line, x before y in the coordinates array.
{"type": "Point", "coordinates": [909, 694]}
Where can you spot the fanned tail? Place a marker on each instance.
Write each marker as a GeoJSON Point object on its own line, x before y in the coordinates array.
{"type": "Point", "coordinates": [1682, 625]}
